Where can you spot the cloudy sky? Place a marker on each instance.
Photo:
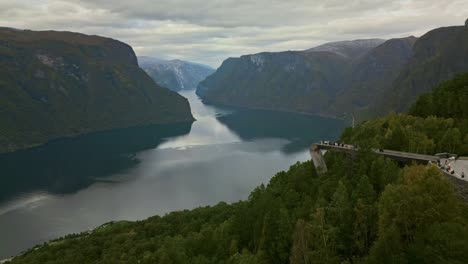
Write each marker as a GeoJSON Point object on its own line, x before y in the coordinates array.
{"type": "Point", "coordinates": [210, 31]}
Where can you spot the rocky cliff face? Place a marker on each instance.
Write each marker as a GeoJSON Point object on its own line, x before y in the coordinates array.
{"type": "Point", "coordinates": [290, 81]}
{"type": "Point", "coordinates": [55, 84]}
{"type": "Point", "coordinates": [437, 56]}
{"type": "Point", "coordinates": [176, 75]}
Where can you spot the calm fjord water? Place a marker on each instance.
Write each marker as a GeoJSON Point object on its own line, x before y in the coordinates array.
{"type": "Point", "coordinates": [72, 185]}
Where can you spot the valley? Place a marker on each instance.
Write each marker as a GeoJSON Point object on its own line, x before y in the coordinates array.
{"type": "Point", "coordinates": [233, 132]}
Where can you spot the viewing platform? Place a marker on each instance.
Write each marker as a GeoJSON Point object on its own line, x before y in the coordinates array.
{"type": "Point", "coordinates": [458, 166]}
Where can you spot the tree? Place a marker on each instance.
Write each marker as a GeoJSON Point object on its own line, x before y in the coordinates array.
{"type": "Point", "coordinates": [408, 210]}
{"type": "Point", "coordinates": [300, 249]}
{"type": "Point", "coordinates": [323, 239]}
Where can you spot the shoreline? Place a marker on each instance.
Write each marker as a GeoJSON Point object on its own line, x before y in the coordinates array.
{"type": "Point", "coordinates": [208, 102]}
{"type": "Point", "coordinates": [87, 132]}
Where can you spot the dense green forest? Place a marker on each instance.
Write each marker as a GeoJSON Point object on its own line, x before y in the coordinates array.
{"type": "Point", "coordinates": [365, 209]}
{"type": "Point", "coordinates": [449, 99]}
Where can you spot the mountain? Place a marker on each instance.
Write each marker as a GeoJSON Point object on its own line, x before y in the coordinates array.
{"type": "Point", "coordinates": [56, 84]}
{"type": "Point", "coordinates": [291, 81]}
{"type": "Point", "coordinates": [372, 74]}
{"type": "Point", "coordinates": [175, 74]}
{"type": "Point", "coordinates": [367, 77]}
{"type": "Point", "coordinates": [350, 48]}
{"type": "Point", "coordinates": [329, 79]}
{"type": "Point", "coordinates": [437, 56]}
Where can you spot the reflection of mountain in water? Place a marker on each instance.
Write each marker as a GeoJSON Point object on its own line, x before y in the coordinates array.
{"type": "Point", "coordinates": [68, 165]}
{"type": "Point", "coordinates": [300, 130]}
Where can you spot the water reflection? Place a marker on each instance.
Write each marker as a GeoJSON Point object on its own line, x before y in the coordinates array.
{"type": "Point", "coordinates": [68, 165]}
{"type": "Point", "coordinates": [298, 129]}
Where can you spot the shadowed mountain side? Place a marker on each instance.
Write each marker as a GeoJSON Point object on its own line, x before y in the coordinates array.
{"type": "Point", "coordinates": [68, 165]}
{"type": "Point", "coordinates": [438, 56]}
{"type": "Point", "coordinates": [258, 124]}
{"type": "Point", "coordinates": [57, 84]}
{"type": "Point", "coordinates": [371, 75]}
{"type": "Point", "coordinates": [290, 81]}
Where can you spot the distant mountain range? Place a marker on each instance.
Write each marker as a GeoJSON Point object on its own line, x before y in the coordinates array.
{"type": "Point", "coordinates": [56, 84]}
{"type": "Point", "coordinates": [366, 77]}
{"type": "Point", "coordinates": [176, 75]}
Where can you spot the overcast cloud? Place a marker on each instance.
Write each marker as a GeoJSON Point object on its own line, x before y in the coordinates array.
{"type": "Point", "coordinates": [211, 31]}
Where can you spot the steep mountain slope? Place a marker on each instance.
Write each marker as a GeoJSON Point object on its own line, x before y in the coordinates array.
{"type": "Point", "coordinates": [175, 74]}
{"type": "Point", "coordinates": [290, 81]}
{"type": "Point", "coordinates": [372, 74]}
{"type": "Point", "coordinates": [350, 48]}
{"type": "Point", "coordinates": [437, 56]}
{"type": "Point", "coordinates": [329, 79]}
{"type": "Point", "coordinates": [55, 84]}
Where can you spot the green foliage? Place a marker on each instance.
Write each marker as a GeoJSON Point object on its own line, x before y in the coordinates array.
{"type": "Point", "coordinates": [426, 135]}
{"type": "Point", "coordinates": [437, 123]}
{"type": "Point", "coordinates": [449, 99]}
{"type": "Point", "coordinates": [364, 210]}
{"type": "Point", "coordinates": [414, 211]}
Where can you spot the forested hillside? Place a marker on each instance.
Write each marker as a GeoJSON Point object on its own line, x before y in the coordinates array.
{"type": "Point", "coordinates": [56, 84]}
{"type": "Point", "coordinates": [437, 122]}
{"type": "Point", "coordinates": [365, 209]}
{"type": "Point", "coordinates": [288, 81]}
{"type": "Point", "coordinates": [449, 99]}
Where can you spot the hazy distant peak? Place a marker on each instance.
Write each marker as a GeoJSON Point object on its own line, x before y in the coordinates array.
{"type": "Point", "coordinates": [349, 48]}
{"type": "Point", "coordinates": [175, 74]}
{"type": "Point", "coordinates": [144, 61]}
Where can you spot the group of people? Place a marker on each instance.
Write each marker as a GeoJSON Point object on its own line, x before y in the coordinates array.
{"type": "Point", "coordinates": [448, 168]}
{"type": "Point", "coordinates": [337, 144]}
